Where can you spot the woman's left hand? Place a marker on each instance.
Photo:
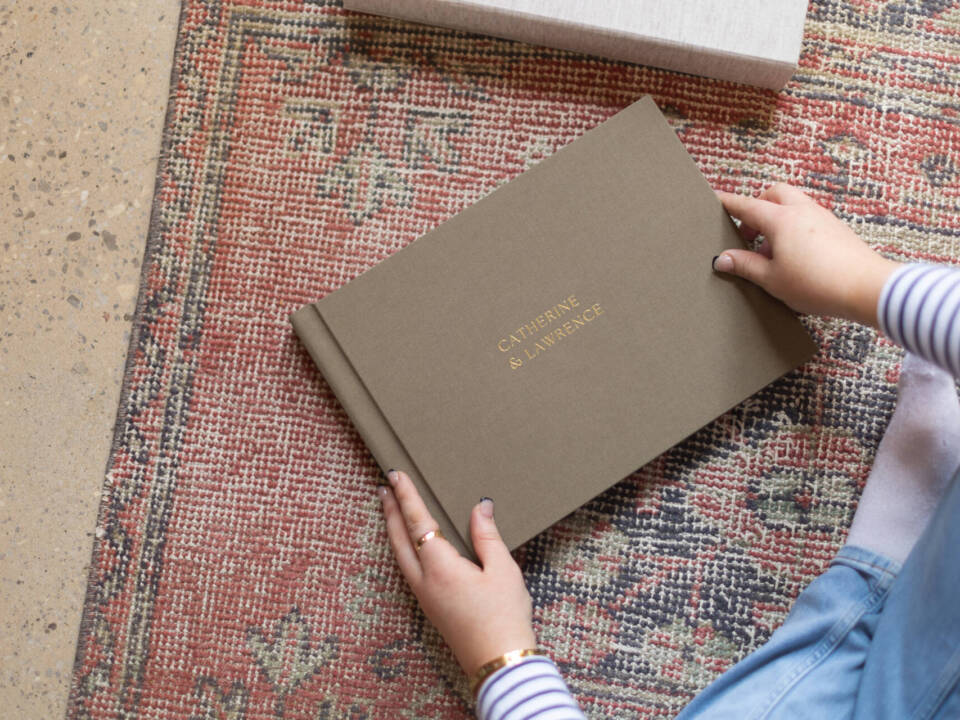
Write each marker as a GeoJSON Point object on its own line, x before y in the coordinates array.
{"type": "Point", "coordinates": [482, 611]}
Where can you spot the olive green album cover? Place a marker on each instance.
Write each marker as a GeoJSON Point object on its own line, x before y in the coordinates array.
{"type": "Point", "coordinates": [555, 336]}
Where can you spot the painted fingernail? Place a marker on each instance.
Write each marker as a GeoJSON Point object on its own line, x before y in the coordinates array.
{"type": "Point", "coordinates": [486, 506]}
{"type": "Point", "coordinates": [393, 476]}
{"type": "Point", "coordinates": [723, 263]}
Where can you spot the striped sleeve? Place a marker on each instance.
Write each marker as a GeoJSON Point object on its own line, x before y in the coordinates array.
{"type": "Point", "coordinates": [919, 307]}
{"type": "Point", "coordinates": [532, 688]}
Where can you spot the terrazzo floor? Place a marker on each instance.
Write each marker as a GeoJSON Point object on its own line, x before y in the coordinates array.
{"type": "Point", "coordinates": [83, 89]}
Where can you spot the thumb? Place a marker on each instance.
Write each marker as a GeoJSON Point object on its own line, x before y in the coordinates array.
{"type": "Point", "coordinates": [749, 265]}
{"type": "Point", "coordinates": [487, 542]}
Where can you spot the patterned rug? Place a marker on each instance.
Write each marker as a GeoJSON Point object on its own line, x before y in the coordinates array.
{"type": "Point", "coordinates": [241, 568]}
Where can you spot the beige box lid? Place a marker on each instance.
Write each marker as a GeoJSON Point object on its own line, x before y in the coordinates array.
{"type": "Point", "coordinates": [750, 41]}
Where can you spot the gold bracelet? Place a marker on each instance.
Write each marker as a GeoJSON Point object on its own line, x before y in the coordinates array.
{"type": "Point", "coordinates": [505, 660]}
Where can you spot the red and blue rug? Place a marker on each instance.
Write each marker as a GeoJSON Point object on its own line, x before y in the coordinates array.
{"type": "Point", "coordinates": [241, 568]}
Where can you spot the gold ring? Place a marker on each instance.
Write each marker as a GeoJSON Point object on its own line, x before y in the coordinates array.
{"type": "Point", "coordinates": [428, 536]}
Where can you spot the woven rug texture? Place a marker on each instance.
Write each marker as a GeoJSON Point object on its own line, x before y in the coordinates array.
{"type": "Point", "coordinates": [241, 568]}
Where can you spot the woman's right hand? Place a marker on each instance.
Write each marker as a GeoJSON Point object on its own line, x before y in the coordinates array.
{"type": "Point", "coordinates": [809, 258]}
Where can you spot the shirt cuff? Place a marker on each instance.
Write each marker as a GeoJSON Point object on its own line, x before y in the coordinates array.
{"type": "Point", "coordinates": [531, 688]}
{"type": "Point", "coordinates": [918, 309]}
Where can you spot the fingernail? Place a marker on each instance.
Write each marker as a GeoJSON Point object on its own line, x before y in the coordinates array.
{"type": "Point", "coordinates": [486, 506]}
{"type": "Point", "coordinates": [723, 263]}
{"type": "Point", "coordinates": [382, 491]}
{"type": "Point", "coordinates": [393, 476]}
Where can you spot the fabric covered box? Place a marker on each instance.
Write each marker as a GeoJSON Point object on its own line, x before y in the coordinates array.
{"type": "Point", "coordinates": [749, 41]}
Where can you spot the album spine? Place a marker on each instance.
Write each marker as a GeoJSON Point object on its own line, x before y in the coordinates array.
{"type": "Point", "coordinates": [363, 411]}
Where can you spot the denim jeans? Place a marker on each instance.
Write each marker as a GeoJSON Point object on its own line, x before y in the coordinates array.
{"type": "Point", "coordinates": [866, 639]}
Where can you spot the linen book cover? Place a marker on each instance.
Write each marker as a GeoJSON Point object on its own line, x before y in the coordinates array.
{"type": "Point", "coordinates": [555, 336]}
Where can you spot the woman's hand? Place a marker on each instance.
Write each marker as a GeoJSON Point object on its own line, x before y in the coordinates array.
{"type": "Point", "coordinates": [482, 612]}
{"type": "Point", "coordinates": [809, 258]}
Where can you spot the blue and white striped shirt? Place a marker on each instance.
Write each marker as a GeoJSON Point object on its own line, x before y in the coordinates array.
{"type": "Point", "coordinates": [529, 689]}
{"type": "Point", "coordinates": [919, 308]}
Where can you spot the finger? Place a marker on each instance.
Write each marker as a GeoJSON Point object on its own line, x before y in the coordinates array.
{"type": "Point", "coordinates": [765, 249]}
{"type": "Point", "coordinates": [756, 213]}
{"type": "Point", "coordinates": [784, 194]}
{"type": "Point", "coordinates": [487, 543]}
{"type": "Point", "coordinates": [419, 522]}
{"type": "Point", "coordinates": [418, 519]}
{"type": "Point", "coordinates": [438, 555]}
{"type": "Point", "coordinates": [399, 537]}
{"type": "Point", "coordinates": [744, 263]}
{"type": "Point", "coordinates": [748, 233]}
